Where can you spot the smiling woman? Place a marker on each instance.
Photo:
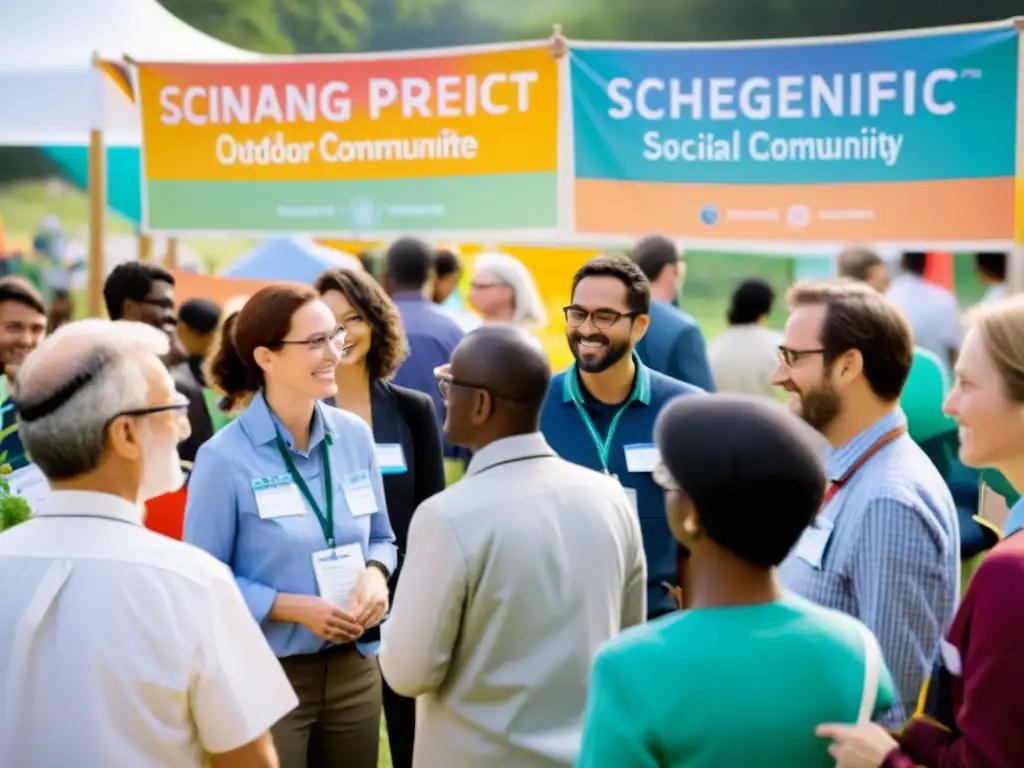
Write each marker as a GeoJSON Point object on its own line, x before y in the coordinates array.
{"type": "Point", "coordinates": [290, 497]}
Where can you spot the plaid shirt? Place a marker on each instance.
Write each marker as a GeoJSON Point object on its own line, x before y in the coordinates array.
{"type": "Point", "coordinates": [892, 558]}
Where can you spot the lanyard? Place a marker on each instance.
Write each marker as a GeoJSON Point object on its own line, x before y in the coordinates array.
{"type": "Point", "coordinates": [879, 444]}
{"type": "Point", "coordinates": [326, 522]}
{"type": "Point", "coordinates": [604, 447]}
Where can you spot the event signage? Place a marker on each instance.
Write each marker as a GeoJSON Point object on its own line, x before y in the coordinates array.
{"type": "Point", "coordinates": [446, 141]}
{"type": "Point", "coordinates": [906, 136]}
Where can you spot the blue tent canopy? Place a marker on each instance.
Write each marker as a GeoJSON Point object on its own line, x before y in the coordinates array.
{"type": "Point", "coordinates": [123, 181]}
{"type": "Point", "coordinates": [296, 259]}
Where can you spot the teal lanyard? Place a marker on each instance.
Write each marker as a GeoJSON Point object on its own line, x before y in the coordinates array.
{"type": "Point", "coordinates": [326, 522]}
{"type": "Point", "coordinates": [604, 447]}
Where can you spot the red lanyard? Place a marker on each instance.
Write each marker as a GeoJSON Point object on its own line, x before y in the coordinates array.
{"type": "Point", "coordinates": [884, 440]}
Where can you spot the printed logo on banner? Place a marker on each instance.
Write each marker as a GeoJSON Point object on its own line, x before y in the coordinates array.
{"type": "Point", "coordinates": [907, 136]}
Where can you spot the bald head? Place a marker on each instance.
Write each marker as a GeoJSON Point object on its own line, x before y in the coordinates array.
{"type": "Point", "coordinates": [507, 360]}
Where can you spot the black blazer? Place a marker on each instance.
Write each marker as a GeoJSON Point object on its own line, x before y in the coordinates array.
{"type": "Point", "coordinates": [407, 417]}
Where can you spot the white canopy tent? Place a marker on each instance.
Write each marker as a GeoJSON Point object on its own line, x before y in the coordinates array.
{"type": "Point", "coordinates": [50, 93]}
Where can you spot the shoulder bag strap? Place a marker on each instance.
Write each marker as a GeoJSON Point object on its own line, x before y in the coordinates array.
{"type": "Point", "coordinates": [872, 673]}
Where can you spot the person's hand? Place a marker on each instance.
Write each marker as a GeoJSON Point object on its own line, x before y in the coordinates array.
{"type": "Point", "coordinates": [858, 746]}
{"type": "Point", "coordinates": [327, 620]}
{"type": "Point", "coordinates": [370, 598]}
{"type": "Point", "coordinates": [676, 593]}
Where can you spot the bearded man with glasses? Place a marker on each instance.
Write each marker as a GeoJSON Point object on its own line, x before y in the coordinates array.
{"type": "Point", "coordinates": [600, 413]}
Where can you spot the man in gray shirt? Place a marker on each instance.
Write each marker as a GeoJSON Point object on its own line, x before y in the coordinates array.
{"type": "Point", "coordinates": [515, 575]}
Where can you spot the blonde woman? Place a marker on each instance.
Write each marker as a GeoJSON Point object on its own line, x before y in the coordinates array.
{"type": "Point", "coordinates": [973, 706]}
{"type": "Point", "coordinates": [502, 290]}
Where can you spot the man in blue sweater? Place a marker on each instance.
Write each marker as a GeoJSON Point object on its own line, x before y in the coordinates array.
{"type": "Point", "coordinates": [600, 413]}
{"type": "Point", "coordinates": [674, 344]}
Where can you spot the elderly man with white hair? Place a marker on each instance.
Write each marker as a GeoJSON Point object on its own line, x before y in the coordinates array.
{"type": "Point", "coordinates": [118, 646]}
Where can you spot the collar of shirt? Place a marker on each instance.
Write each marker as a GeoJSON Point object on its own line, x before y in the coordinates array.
{"type": "Point", "coordinates": [509, 449]}
{"type": "Point", "coordinates": [259, 421]}
{"type": "Point", "coordinates": [90, 504]}
{"type": "Point", "coordinates": [839, 461]}
{"type": "Point", "coordinates": [572, 389]}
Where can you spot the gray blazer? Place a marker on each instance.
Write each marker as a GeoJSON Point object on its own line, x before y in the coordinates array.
{"type": "Point", "coordinates": [513, 579]}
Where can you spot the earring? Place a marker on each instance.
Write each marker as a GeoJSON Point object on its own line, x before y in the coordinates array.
{"type": "Point", "coordinates": [690, 526]}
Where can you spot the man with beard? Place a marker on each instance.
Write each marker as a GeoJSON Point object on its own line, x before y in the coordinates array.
{"type": "Point", "coordinates": [885, 545]}
{"type": "Point", "coordinates": [600, 413]}
{"type": "Point", "coordinates": [22, 327]}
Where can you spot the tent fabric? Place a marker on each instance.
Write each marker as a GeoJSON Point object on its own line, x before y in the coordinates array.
{"type": "Point", "coordinates": [123, 179]}
{"type": "Point", "coordinates": [291, 259]}
{"type": "Point", "coordinates": [49, 90]}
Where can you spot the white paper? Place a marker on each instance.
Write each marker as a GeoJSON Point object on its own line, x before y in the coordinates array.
{"type": "Point", "coordinates": [631, 498]}
{"type": "Point", "coordinates": [642, 457]}
{"type": "Point", "coordinates": [391, 458]}
{"type": "Point", "coordinates": [30, 484]}
{"type": "Point", "coordinates": [337, 571]}
{"type": "Point", "coordinates": [359, 495]}
{"type": "Point", "coordinates": [278, 497]}
{"type": "Point", "coordinates": [813, 541]}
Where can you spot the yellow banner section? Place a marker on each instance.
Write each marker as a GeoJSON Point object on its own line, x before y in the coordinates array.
{"type": "Point", "coordinates": [415, 116]}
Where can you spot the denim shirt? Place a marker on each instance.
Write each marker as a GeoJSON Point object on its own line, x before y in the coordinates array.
{"type": "Point", "coordinates": [268, 556]}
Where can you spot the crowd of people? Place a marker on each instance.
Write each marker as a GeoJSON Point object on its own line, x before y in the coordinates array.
{"type": "Point", "coordinates": [398, 511]}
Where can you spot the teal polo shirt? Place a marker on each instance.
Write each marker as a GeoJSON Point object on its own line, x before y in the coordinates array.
{"type": "Point", "coordinates": [566, 431]}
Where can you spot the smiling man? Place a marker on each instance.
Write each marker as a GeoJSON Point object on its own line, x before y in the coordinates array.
{"type": "Point", "coordinates": [22, 328]}
{"type": "Point", "coordinates": [884, 547]}
{"type": "Point", "coordinates": [600, 413]}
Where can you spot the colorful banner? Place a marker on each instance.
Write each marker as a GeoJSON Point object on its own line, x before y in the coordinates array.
{"type": "Point", "coordinates": [879, 138]}
{"type": "Point", "coordinates": [444, 142]}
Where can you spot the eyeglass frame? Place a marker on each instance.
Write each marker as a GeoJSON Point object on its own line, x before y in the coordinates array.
{"type": "Point", "coordinates": [443, 377]}
{"type": "Point", "coordinates": [590, 315]}
{"type": "Point", "coordinates": [790, 357]}
{"type": "Point", "coordinates": [316, 344]}
{"type": "Point", "coordinates": [180, 406]}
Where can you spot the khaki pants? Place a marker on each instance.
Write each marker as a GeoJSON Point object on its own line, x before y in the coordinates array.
{"type": "Point", "coordinates": [337, 722]}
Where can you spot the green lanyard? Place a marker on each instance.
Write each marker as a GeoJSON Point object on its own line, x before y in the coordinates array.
{"type": "Point", "coordinates": [604, 447]}
{"type": "Point", "coordinates": [326, 522]}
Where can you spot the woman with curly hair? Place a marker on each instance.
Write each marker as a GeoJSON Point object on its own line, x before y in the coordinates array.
{"type": "Point", "coordinates": [404, 428]}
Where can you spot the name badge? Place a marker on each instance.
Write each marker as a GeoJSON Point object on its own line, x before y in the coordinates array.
{"type": "Point", "coordinates": [359, 495]}
{"type": "Point", "coordinates": [630, 494]}
{"type": "Point", "coordinates": [278, 497]}
{"type": "Point", "coordinates": [641, 457]}
{"type": "Point", "coordinates": [391, 458]}
{"type": "Point", "coordinates": [337, 572]}
{"type": "Point", "coordinates": [811, 547]}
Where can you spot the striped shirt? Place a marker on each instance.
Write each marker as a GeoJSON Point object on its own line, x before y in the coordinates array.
{"type": "Point", "coordinates": [886, 549]}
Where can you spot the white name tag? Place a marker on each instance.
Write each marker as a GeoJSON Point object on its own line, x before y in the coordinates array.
{"type": "Point", "coordinates": [391, 458]}
{"type": "Point", "coordinates": [951, 658]}
{"type": "Point", "coordinates": [641, 457]}
{"type": "Point", "coordinates": [811, 547]}
{"type": "Point", "coordinates": [278, 497]}
{"type": "Point", "coordinates": [337, 571]}
{"type": "Point", "coordinates": [631, 497]}
{"type": "Point", "coordinates": [359, 495]}
{"type": "Point", "coordinates": [30, 484]}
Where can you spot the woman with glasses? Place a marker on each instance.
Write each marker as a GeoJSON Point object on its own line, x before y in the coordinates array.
{"type": "Point", "coordinates": [502, 290]}
{"type": "Point", "coordinates": [290, 497]}
{"type": "Point", "coordinates": [405, 431]}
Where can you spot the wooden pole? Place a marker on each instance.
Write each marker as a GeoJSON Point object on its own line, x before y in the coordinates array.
{"type": "Point", "coordinates": [145, 248]}
{"type": "Point", "coordinates": [97, 199]}
{"type": "Point", "coordinates": [171, 257]}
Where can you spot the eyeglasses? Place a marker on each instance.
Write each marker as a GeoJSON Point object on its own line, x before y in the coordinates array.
{"type": "Point", "coordinates": [318, 343]}
{"type": "Point", "coordinates": [179, 407]}
{"type": "Point", "coordinates": [445, 382]}
{"type": "Point", "coordinates": [791, 357]}
{"type": "Point", "coordinates": [603, 319]}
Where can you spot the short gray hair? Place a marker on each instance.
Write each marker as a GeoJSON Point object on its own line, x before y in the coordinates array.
{"type": "Point", "coordinates": [529, 311]}
{"type": "Point", "coordinates": [75, 383]}
{"type": "Point", "coordinates": [857, 261]}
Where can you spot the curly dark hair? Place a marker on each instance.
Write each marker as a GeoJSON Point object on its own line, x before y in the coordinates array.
{"type": "Point", "coordinates": [388, 345]}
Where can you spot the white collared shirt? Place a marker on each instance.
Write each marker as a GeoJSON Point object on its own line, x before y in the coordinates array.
{"type": "Point", "coordinates": [931, 311]}
{"type": "Point", "coordinates": [121, 647]}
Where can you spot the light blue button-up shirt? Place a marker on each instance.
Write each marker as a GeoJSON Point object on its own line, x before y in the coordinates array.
{"type": "Point", "coordinates": [268, 556]}
{"type": "Point", "coordinates": [892, 558]}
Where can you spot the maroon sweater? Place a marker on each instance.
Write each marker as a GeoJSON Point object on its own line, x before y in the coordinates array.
{"type": "Point", "coordinates": [974, 707]}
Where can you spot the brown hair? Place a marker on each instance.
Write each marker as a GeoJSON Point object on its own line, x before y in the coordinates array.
{"type": "Point", "coordinates": [858, 317]}
{"type": "Point", "coordinates": [857, 261]}
{"type": "Point", "coordinates": [1001, 327]}
{"type": "Point", "coordinates": [21, 291]}
{"type": "Point", "coordinates": [388, 345]}
{"type": "Point", "coordinates": [264, 321]}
